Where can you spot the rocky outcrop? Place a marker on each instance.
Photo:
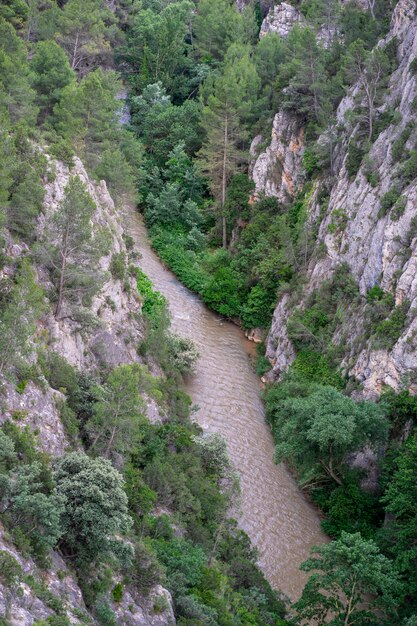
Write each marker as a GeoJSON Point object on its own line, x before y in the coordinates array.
{"type": "Point", "coordinates": [379, 249]}
{"type": "Point", "coordinates": [281, 19]}
{"type": "Point", "coordinates": [116, 330]}
{"type": "Point", "coordinates": [277, 171]}
{"type": "Point", "coordinates": [40, 594]}
{"type": "Point", "coordinates": [111, 337]}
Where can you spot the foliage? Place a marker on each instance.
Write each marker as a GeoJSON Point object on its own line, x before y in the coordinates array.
{"type": "Point", "coordinates": [317, 430]}
{"type": "Point", "coordinates": [400, 501]}
{"type": "Point", "coordinates": [388, 331]}
{"type": "Point", "coordinates": [118, 412]}
{"type": "Point", "coordinates": [70, 249]}
{"type": "Point", "coordinates": [351, 582]}
{"type": "Point", "coordinates": [95, 507]}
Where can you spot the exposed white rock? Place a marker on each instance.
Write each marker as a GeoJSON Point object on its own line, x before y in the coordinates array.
{"type": "Point", "coordinates": [39, 409]}
{"type": "Point", "coordinates": [281, 19]}
{"type": "Point", "coordinates": [118, 329]}
{"type": "Point", "coordinates": [378, 250]}
{"type": "Point", "coordinates": [277, 171]}
{"type": "Point", "coordinates": [21, 603]}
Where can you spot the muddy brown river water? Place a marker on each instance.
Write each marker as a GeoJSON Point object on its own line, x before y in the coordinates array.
{"type": "Point", "coordinates": [274, 513]}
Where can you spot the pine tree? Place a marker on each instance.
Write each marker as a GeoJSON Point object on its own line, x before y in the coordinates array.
{"type": "Point", "coordinates": [70, 249]}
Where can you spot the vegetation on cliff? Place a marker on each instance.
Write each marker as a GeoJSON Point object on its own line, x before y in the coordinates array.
{"type": "Point", "coordinates": [138, 503]}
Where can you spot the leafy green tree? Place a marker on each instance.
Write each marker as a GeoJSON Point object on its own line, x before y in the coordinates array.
{"type": "Point", "coordinates": [161, 125]}
{"type": "Point", "coordinates": [119, 411]}
{"type": "Point", "coordinates": [400, 499]}
{"type": "Point", "coordinates": [304, 76]}
{"type": "Point", "coordinates": [217, 25]}
{"type": "Point", "coordinates": [319, 429]}
{"type": "Point", "coordinates": [156, 49]}
{"type": "Point", "coordinates": [220, 155]}
{"type": "Point", "coordinates": [33, 509]}
{"type": "Point", "coordinates": [16, 93]}
{"type": "Point", "coordinates": [370, 70]}
{"type": "Point", "coordinates": [70, 248]}
{"type": "Point", "coordinates": [18, 315]}
{"type": "Point", "coordinates": [25, 205]}
{"type": "Point", "coordinates": [85, 29]}
{"type": "Point", "coordinates": [96, 510]}
{"type": "Point", "coordinates": [87, 115]}
{"type": "Point", "coordinates": [353, 583]}
{"type": "Point", "coordinates": [51, 74]}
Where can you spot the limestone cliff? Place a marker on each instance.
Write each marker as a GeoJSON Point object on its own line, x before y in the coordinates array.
{"type": "Point", "coordinates": [378, 246]}
{"type": "Point", "coordinates": [110, 338]}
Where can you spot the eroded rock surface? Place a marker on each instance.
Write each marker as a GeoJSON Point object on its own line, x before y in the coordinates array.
{"type": "Point", "coordinates": [277, 171]}
{"type": "Point", "coordinates": [378, 249]}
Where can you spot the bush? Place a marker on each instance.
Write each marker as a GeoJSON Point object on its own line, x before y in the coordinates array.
{"type": "Point", "coordinates": [315, 367]}
{"type": "Point", "coordinates": [60, 374]}
{"type": "Point", "coordinates": [183, 353]}
{"type": "Point", "coordinates": [104, 615]}
{"type": "Point", "coordinates": [409, 169]}
{"type": "Point", "coordinates": [10, 569]}
{"type": "Point", "coordinates": [118, 265]}
{"type": "Point", "coordinates": [375, 293]}
{"type": "Point", "coordinates": [398, 209]}
{"type": "Point", "coordinates": [388, 200]}
{"type": "Point", "coordinates": [389, 331]}
{"type": "Point", "coordinates": [117, 592]}
{"type": "Point", "coordinates": [398, 150]}
{"type": "Point", "coordinates": [354, 159]}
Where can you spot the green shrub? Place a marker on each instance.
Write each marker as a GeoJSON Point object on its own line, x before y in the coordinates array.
{"type": "Point", "coordinates": [413, 66]}
{"type": "Point", "coordinates": [69, 421]}
{"type": "Point", "coordinates": [388, 200]}
{"type": "Point", "coordinates": [385, 120]}
{"type": "Point", "coordinates": [398, 209]}
{"type": "Point", "coordinates": [375, 293]}
{"type": "Point", "coordinates": [60, 374]}
{"type": "Point", "coordinates": [348, 508]}
{"type": "Point", "coordinates": [118, 265]}
{"type": "Point", "coordinates": [117, 592]}
{"type": "Point", "coordinates": [399, 151]}
{"type": "Point", "coordinates": [153, 301]}
{"type": "Point", "coordinates": [62, 150]}
{"type": "Point", "coordinates": [389, 331]}
{"type": "Point", "coordinates": [258, 307]}
{"type": "Point", "coordinates": [311, 162]}
{"type": "Point", "coordinates": [104, 615]}
{"type": "Point", "coordinates": [42, 592]}
{"type": "Point", "coordinates": [354, 159]}
{"type": "Point", "coordinates": [315, 367]}
{"type": "Point", "coordinates": [409, 169]}
{"type": "Point", "coordinates": [10, 569]}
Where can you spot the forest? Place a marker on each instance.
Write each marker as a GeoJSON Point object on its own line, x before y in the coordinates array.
{"type": "Point", "coordinates": [162, 99]}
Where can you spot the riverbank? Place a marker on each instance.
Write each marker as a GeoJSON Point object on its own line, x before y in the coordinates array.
{"type": "Point", "coordinates": [275, 514]}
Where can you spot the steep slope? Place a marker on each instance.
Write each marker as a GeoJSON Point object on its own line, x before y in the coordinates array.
{"type": "Point", "coordinates": [114, 329]}
{"type": "Point", "coordinates": [377, 244]}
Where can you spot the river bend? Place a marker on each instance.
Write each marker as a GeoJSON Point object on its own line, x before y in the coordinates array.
{"type": "Point", "coordinates": [274, 513]}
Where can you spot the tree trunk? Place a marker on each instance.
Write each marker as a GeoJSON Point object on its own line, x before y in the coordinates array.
{"type": "Point", "coordinates": [74, 54]}
{"type": "Point", "coordinates": [224, 179]}
{"type": "Point", "coordinates": [113, 434]}
{"type": "Point", "coordinates": [62, 273]}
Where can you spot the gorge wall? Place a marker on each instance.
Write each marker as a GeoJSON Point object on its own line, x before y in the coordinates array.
{"type": "Point", "coordinates": [379, 246]}
{"type": "Point", "coordinates": [115, 326]}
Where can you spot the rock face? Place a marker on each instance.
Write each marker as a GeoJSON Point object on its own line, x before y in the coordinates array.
{"type": "Point", "coordinates": [25, 603]}
{"type": "Point", "coordinates": [118, 327]}
{"type": "Point", "coordinates": [378, 249]}
{"type": "Point", "coordinates": [110, 340]}
{"type": "Point", "coordinates": [277, 171]}
{"type": "Point", "coordinates": [281, 19]}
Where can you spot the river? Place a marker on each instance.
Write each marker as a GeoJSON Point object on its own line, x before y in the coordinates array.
{"type": "Point", "coordinates": [274, 513]}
